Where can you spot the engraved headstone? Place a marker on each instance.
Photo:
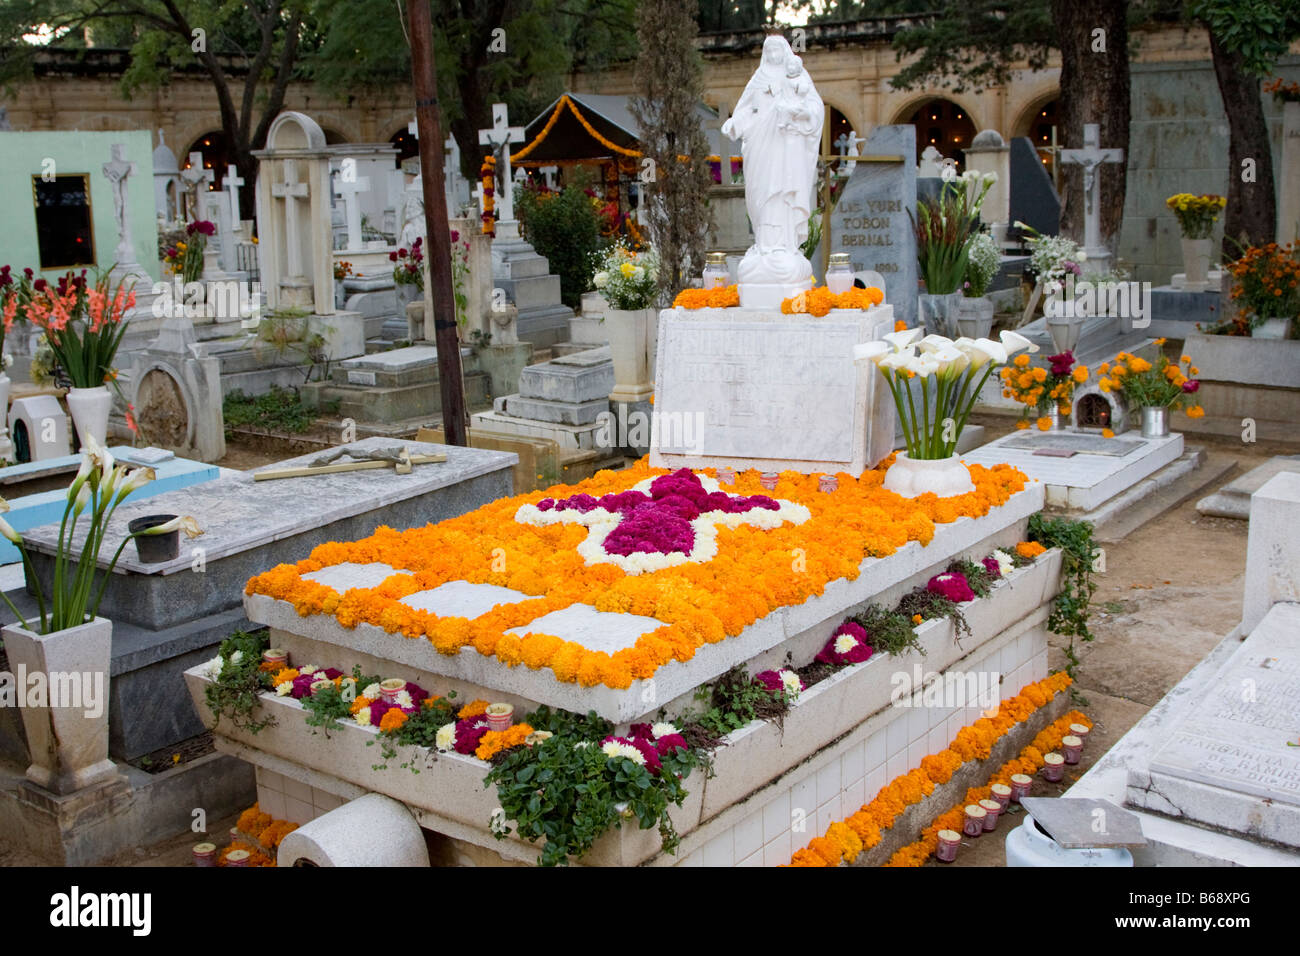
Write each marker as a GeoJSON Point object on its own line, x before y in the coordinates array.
{"type": "Point", "coordinates": [1033, 197]}
{"type": "Point", "coordinates": [871, 220]}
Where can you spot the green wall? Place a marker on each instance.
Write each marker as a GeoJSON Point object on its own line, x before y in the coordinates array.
{"type": "Point", "coordinates": [22, 155]}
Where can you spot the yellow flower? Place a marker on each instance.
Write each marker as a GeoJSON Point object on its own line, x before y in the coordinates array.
{"type": "Point", "coordinates": [1107, 433]}
{"type": "Point", "coordinates": [1194, 370]}
{"type": "Point", "coordinates": [1186, 359]}
{"type": "Point", "coordinates": [627, 269]}
{"type": "Point", "coordinates": [1081, 374]}
{"type": "Point", "coordinates": [1022, 360]}
{"type": "Point", "coordinates": [1044, 423]}
{"type": "Point", "coordinates": [1196, 411]}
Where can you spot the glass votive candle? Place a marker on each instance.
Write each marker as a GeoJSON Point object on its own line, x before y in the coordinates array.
{"type": "Point", "coordinates": [973, 822]}
{"type": "Point", "coordinates": [237, 858]}
{"type": "Point", "coordinates": [726, 476]}
{"type": "Point", "coordinates": [500, 716]}
{"type": "Point", "coordinates": [1053, 767]}
{"type": "Point", "coordinates": [1021, 784]}
{"type": "Point", "coordinates": [991, 810]}
{"type": "Point", "coordinates": [769, 479]}
{"type": "Point", "coordinates": [205, 854]}
{"type": "Point", "coordinates": [827, 483]}
{"type": "Point", "coordinates": [276, 656]}
{"type": "Point", "coordinates": [389, 689]}
{"type": "Point", "coordinates": [1072, 747]}
{"type": "Point", "coordinates": [318, 685]}
{"type": "Point", "coordinates": [1002, 794]}
{"type": "Point", "coordinates": [946, 851]}
{"type": "Point", "coordinates": [1081, 731]}
{"type": "Point", "coordinates": [839, 273]}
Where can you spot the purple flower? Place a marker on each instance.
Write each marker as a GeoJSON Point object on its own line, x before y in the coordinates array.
{"type": "Point", "coordinates": [953, 586]}
{"type": "Point", "coordinates": [859, 652]}
{"type": "Point", "coordinates": [670, 742]}
{"type": "Point", "coordinates": [469, 732]}
{"type": "Point", "coordinates": [1191, 386]}
{"type": "Point", "coordinates": [991, 566]}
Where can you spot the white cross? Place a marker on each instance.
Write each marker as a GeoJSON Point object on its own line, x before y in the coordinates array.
{"type": "Point", "coordinates": [1090, 158]}
{"type": "Point", "coordinates": [413, 129]}
{"type": "Point", "coordinates": [347, 190]}
{"type": "Point", "coordinates": [499, 137]}
{"type": "Point", "coordinates": [847, 144]}
{"type": "Point", "coordinates": [231, 183]}
{"type": "Point", "coordinates": [478, 194]}
{"type": "Point", "coordinates": [549, 172]}
{"type": "Point", "coordinates": [290, 191]}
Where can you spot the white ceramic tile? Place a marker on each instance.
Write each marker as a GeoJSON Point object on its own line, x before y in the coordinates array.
{"type": "Point", "coordinates": [594, 630]}
{"type": "Point", "coordinates": [721, 850]}
{"type": "Point", "coordinates": [297, 790]}
{"type": "Point", "coordinates": [876, 779]}
{"type": "Point", "coordinates": [896, 733]}
{"type": "Point", "coordinates": [915, 752]}
{"type": "Point", "coordinates": [853, 763]}
{"type": "Point", "coordinates": [693, 859]}
{"type": "Point", "coordinates": [918, 721]}
{"type": "Point", "coordinates": [298, 811]}
{"type": "Point", "coordinates": [896, 766]}
{"type": "Point", "coordinates": [754, 859]}
{"type": "Point", "coordinates": [463, 599]}
{"type": "Point", "coordinates": [829, 782]}
{"type": "Point", "coordinates": [272, 802]}
{"type": "Point", "coordinates": [875, 749]}
{"type": "Point", "coordinates": [954, 724]}
{"type": "Point", "coordinates": [827, 814]}
{"type": "Point", "coordinates": [347, 575]}
{"type": "Point", "coordinates": [803, 795]}
{"type": "Point", "coordinates": [776, 817]}
{"type": "Point", "coordinates": [749, 835]}
{"type": "Point", "coordinates": [936, 740]}
{"type": "Point", "coordinates": [855, 796]}
{"type": "Point", "coordinates": [778, 851]}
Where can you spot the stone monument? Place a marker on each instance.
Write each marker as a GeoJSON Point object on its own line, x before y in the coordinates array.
{"type": "Point", "coordinates": [1090, 158]}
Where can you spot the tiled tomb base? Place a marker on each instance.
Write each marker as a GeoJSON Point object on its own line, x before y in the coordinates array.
{"type": "Point", "coordinates": [840, 743]}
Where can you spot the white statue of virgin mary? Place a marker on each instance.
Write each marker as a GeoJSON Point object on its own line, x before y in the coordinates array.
{"type": "Point", "coordinates": [779, 123]}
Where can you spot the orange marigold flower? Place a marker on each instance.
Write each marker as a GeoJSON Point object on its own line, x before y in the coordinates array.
{"type": "Point", "coordinates": [1021, 360]}
{"type": "Point", "coordinates": [1029, 549]}
{"type": "Point", "coordinates": [1044, 423]}
{"type": "Point", "coordinates": [1107, 433]}
{"type": "Point", "coordinates": [473, 709]}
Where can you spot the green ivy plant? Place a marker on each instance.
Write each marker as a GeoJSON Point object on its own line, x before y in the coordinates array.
{"type": "Point", "coordinates": [235, 692]}
{"type": "Point", "coordinates": [1069, 615]}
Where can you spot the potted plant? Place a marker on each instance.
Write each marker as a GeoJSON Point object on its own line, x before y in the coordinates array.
{"type": "Point", "coordinates": [15, 294]}
{"type": "Point", "coordinates": [944, 228]}
{"type": "Point", "coordinates": [932, 426]}
{"type": "Point", "coordinates": [1048, 391]}
{"type": "Point", "coordinates": [408, 272]}
{"type": "Point", "coordinates": [975, 310]}
{"type": "Point", "coordinates": [69, 750]}
{"type": "Point", "coordinates": [626, 278]}
{"type": "Point", "coordinates": [1266, 286]}
{"type": "Point", "coordinates": [84, 325]}
{"type": "Point", "coordinates": [1052, 261]}
{"type": "Point", "coordinates": [1154, 388]}
{"type": "Point", "coordinates": [1196, 218]}
{"type": "Point", "coordinates": [341, 271]}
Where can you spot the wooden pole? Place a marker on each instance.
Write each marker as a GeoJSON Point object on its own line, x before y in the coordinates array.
{"type": "Point", "coordinates": [429, 128]}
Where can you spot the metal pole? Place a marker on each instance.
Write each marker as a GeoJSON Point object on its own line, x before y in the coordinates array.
{"type": "Point", "coordinates": [429, 128]}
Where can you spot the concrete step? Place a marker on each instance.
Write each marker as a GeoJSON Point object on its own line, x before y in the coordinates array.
{"type": "Point", "coordinates": [379, 404]}
{"type": "Point", "coordinates": [1167, 488]}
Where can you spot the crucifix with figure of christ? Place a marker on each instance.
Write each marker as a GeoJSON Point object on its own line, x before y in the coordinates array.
{"type": "Point", "coordinates": [499, 137]}
{"type": "Point", "coordinates": [1091, 158]}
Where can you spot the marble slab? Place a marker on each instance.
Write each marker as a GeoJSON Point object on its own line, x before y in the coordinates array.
{"type": "Point", "coordinates": [1079, 443]}
{"type": "Point", "coordinates": [463, 599]}
{"type": "Point", "coordinates": [343, 577]}
{"type": "Point", "coordinates": [1082, 482]}
{"type": "Point", "coordinates": [594, 630]}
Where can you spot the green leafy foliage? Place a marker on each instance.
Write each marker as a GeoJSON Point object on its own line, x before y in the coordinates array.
{"type": "Point", "coordinates": [234, 694]}
{"type": "Point", "coordinates": [734, 701]}
{"type": "Point", "coordinates": [976, 575]}
{"type": "Point", "coordinates": [929, 605]}
{"type": "Point", "coordinates": [280, 409]}
{"type": "Point", "coordinates": [1069, 615]}
{"type": "Point", "coordinates": [888, 631]}
{"type": "Point", "coordinates": [564, 227]}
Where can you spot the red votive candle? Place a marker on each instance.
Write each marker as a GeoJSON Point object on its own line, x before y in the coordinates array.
{"type": "Point", "coordinates": [991, 810]}
{"type": "Point", "coordinates": [1053, 767]}
{"type": "Point", "coordinates": [1072, 747]}
{"type": "Point", "coordinates": [949, 840]}
{"type": "Point", "coordinates": [973, 823]}
{"type": "Point", "coordinates": [1002, 794]}
{"type": "Point", "coordinates": [1021, 784]}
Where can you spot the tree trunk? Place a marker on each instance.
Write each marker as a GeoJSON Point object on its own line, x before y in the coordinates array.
{"type": "Point", "coordinates": [1250, 217]}
{"type": "Point", "coordinates": [1094, 89]}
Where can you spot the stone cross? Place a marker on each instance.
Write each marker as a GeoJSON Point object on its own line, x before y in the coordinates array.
{"type": "Point", "coordinates": [230, 183]}
{"type": "Point", "coordinates": [192, 176]}
{"type": "Point", "coordinates": [347, 190]}
{"type": "Point", "coordinates": [291, 191]}
{"type": "Point", "coordinates": [478, 194]}
{"type": "Point", "coordinates": [1090, 158]}
{"type": "Point", "coordinates": [847, 145]}
{"type": "Point", "coordinates": [931, 164]}
{"type": "Point", "coordinates": [117, 170]}
{"type": "Point", "coordinates": [454, 184]}
{"type": "Point", "coordinates": [549, 172]}
{"type": "Point", "coordinates": [499, 137]}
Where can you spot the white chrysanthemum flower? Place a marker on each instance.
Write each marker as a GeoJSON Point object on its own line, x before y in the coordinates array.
{"type": "Point", "coordinates": [212, 669]}
{"type": "Point", "coordinates": [236, 657]}
{"type": "Point", "coordinates": [362, 717]}
{"type": "Point", "coordinates": [404, 700]}
{"type": "Point", "coordinates": [371, 692]}
{"type": "Point", "coordinates": [845, 643]}
{"type": "Point", "coordinates": [790, 681]}
{"type": "Point", "coordinates": [582, 745]}
{"type": "Point", "coordinates": [600, 280]}
{"type": "Point", "coordinates": [308, 669]}
{"type": "Point", "coordinates": [1005, 564]}
{"type": "Point", "coordinates": [284, 689]}
{"type": "Point", "coordinates": [616, 749]}
{"type": "Point", "coordinates": [445, 738]}
{"type": "Point", "coordinates": [663, 729]}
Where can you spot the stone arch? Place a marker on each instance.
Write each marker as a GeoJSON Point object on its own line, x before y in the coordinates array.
{"type": "Point", "coordinates": [1035, 120]}
{"type": "Point", "coordinates": [840, 122]}
{"type": "Point", "coordinates": [291, 130]}
{"type": "Point", "coordinates": [1033, 105]}
{"type": "Point", "coordinates": [214, 146]}
{"type": "Point", "coordinates": [158, 395]}
{"type": "Point", "coordinates": [950, 126]}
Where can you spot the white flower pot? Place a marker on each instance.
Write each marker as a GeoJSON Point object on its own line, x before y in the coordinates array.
{"type": "Point", "coordinates": [89, 408]}
{"type": "Point", "coordinates": [944, 477]}
{"type": "Point", "coordinates": [68, 744]}
{"type": "Point", "coordinates": [975, 317]}
{"type": "Point", "coordinates": [6, 446]}
{"type": "Point", "coordinates": [1270, 329]}
{"type": "Point", "coordinates": [631, 344]}
{"type": "Point", "coordinates": [1196, 261]}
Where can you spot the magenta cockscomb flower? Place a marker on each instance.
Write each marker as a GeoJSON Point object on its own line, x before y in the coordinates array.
{"type": "Point", "coordinates": [953, 586]}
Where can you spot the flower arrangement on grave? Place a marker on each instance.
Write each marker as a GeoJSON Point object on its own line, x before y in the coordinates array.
{"type": "Point", "coordinates": [408, 268]}
{"type": "Point", "coordinates": [1160, 385]}
{"type": "Point", "coordinates": [83, 324]}
{"type": "Point", "coordinates": [342, 270]}
{"type": "Point", "coordinates": [982, 264]}
{"type": "Point", "coordinates": [819, 300]}
{"type": "Point", "coordinates": [719, 297]}
{"type": "Point", "coordinates": [185, 258]}
{"type": "Point", "coordinates": [848, 645]}
{"type": "Point", "coordinates": [460, 276]}
{"type": "Point", "coordinates": [1266, 285]}
{"type": "Point", "coordinates": [625, 277]}
{"type": "Point", "coordinates": [15, 295]}
{"type": "Point", "coordinates": [487, 174]}
{"type": "Point", "coordinates": [98, 488]}
{"type": "Point", "coordinates": [931, 429]}
{"type": "Point", "coordinates": [945, 226]}
{"type": "Point", "coordinates": [1039, 389]}
{"type": "Point", "coordinates": [1283, 92]}
{"type": "Point", "coordinates": [1196, 214]}
{"type": "Point", "coordinates": [1051, 258]}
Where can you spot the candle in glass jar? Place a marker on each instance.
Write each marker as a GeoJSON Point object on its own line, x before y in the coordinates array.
{"type": "Point", "coordinates": [1021, 784]}
{"type": "Point", "coordinates": [839, 273]}
{"type": "Point", "coordinates": [769, 479]}
{"type": "Point", "coordinates": [389, 689]}
{"type": "Point", "coordinates": [1053, 767]}
{"type": "Point", "coordinates": [500, 716]}
{"type": "Point", "coordinates": [205, 854]}
{"type": "Point", "coordinates": [275, 656]}
{"type": "Point", "coordinates": [237, 858]}
{"type": "Point", "coordinates": [991, 810]}
{"type": "Point", "coordinates": [827, 483]}
{"type": "Point", "coordinates": [1072, 747]}
{"type": "Point", "coordinates": [726, 476]}
{"type": "Point", "coordinates": [949, 840]}
{"type": "Point", "coordinates": [973, 823]}
{"type": "Point", "coordinates": [1002, 794]}
{"type": "Point", "coordinates": [1081, 731]}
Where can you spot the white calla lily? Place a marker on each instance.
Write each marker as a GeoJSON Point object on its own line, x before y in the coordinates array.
{"type": "Point", "coordinates": [871, 351]}
{"type": "Point", "coordinates": [923, 365]}
{"type": "Point", "coordinates": [136, 479]}
{"type": "Point", "coordinates": [952, 360]}
{"type": "Point", "coordinates": [986, 350]}
{"type": "Point", "coordinates": [1014, 342]}
{"type": "Point", "coordinates": [901, 340]}
{"type": "Point", "coordinates": [896, 361]}
{"type": "Point", "coordinates": [934, 343]}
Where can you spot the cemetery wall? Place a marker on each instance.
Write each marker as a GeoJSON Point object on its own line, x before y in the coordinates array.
{"type": "Point", "coordinates": [27, 155]}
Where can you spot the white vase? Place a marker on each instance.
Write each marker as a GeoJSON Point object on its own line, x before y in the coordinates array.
{"type": "Point", "coordinates": [6, 445]}
{"type": "Point", "coordinates": [89, 408]}
{"type": "Point", "coordinates": [68, 743]}
{"type": "Point", "coordinates": [944, 477]}
{"type": "Point", "coordinates": [1196, 261]}
{"type": "Point", "coordinates": [1270, 329]}
{"type": "Point", "coordinates": [630, 334]}
{"type": "Point", "coordinates": [975, 317]}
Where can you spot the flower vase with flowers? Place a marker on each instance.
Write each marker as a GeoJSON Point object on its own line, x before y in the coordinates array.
{"type": "Point", "coordinates": [948, 375]}
{"type": "Point", "coordinates": [945, 227]}
{"type": "Point", "coordinates": [1196, 218]}
{"type": "Point", "coordinates": [1047, 391]}
{"type": "Point", "coordinates": [1155, 388]}
{"type": "Point", "coordinates": [185, 258]}
{"type": "Point", "coordinates": [408, 265]}
{"type": "Point", "coordinates": [1266, 288]}
{"type": "Point", "coordinates": [627, 279]}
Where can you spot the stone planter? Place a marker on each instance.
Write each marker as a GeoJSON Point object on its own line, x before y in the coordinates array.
{"type": "Point", "coordinates": [1196, 262]}
{"type": "Point", "coordinates": [975, 317]}
{"type": "Point", "coordinates": [68, 744]}
{"type": "Point", "coordinates": [912, 477]}
{"type": "Point", "coordinates": [89, 409]}
{"type": "Point", "coordinates": [631, 346]}
{"type": "Point", "coordinates": [939, 313]}
{"type": "Point", "coordinates": [1271, 329]}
